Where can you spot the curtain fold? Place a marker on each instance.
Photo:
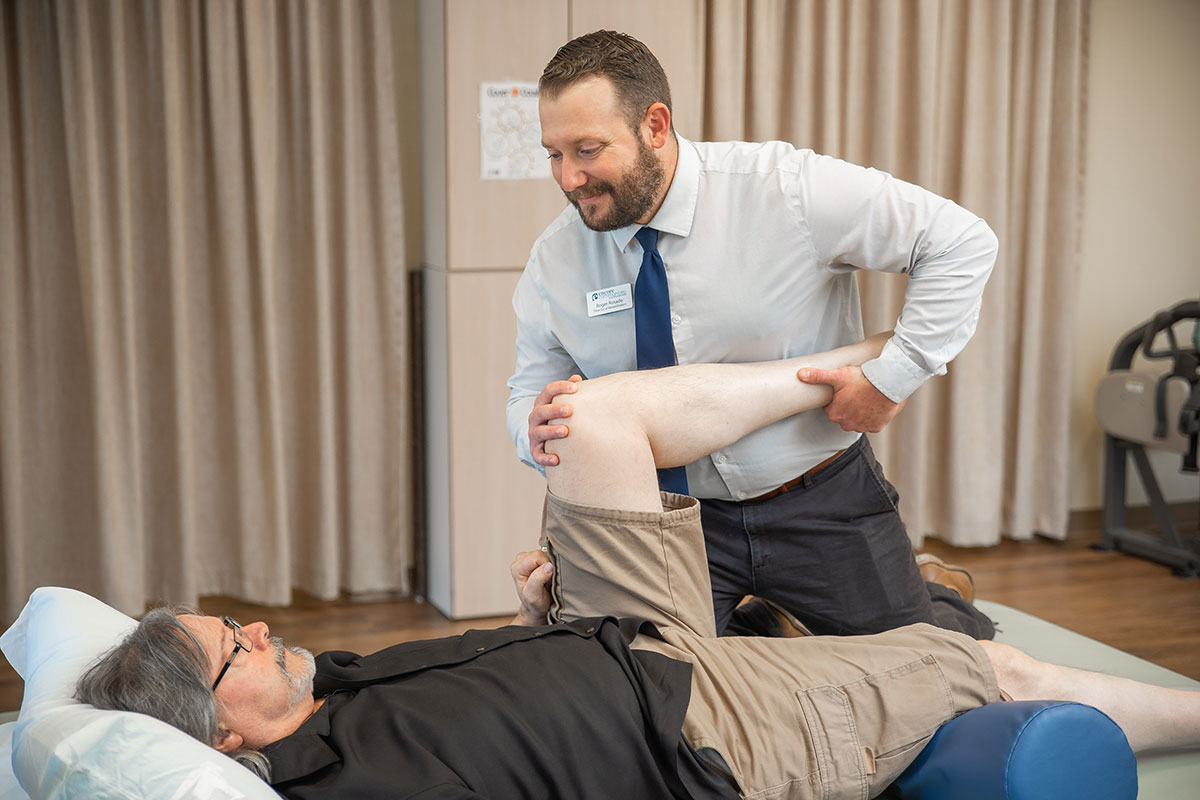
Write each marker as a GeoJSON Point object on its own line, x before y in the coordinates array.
{"type": "Point", "coordinates": [204, 378]}
{"type": "Point", "coordinates": [982, 102]}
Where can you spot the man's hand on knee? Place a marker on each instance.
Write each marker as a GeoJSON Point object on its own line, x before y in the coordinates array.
{"type": "Point", "coordinates": [531, 573]}
{"type": "Point", "coordinates": [544, 412]}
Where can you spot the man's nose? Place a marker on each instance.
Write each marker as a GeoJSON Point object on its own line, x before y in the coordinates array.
{"type": "Point", "coordinates": [257, 631]}
{"type": "Point", "coordinates": [571, 176]}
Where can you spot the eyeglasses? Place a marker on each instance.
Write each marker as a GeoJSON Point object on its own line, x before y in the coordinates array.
{"type": "Point", "coordinates": [237, 646]}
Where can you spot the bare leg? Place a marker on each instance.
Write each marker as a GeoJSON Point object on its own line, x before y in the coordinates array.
{"type": "Point", "coordinates": [625, 425]}
{"type": "Point", "coordinates": [1151, 716]}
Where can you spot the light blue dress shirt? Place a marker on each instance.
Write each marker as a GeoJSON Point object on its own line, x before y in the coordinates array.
{"type": "Point", "coordinates": [761, 242]}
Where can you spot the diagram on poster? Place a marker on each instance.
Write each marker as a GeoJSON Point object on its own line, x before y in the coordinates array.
{"type": "Point", "coordinates": [510, 138]}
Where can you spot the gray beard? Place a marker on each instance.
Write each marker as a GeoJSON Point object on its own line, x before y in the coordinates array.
{"type": "Point", "coordinates": [300, 684]}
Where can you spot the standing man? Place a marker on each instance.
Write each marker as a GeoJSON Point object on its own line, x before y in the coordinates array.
{"type": "Point", "coordinates": [682, 252]}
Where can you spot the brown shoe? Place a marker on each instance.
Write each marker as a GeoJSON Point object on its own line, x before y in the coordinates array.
{"type": "Point", "coordinates": [934, 570]}
{"type": "Point", "coordinates": [758, 617]}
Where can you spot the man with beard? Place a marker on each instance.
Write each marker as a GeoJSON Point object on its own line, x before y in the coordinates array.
{"type": "Point", "coordinates": [674, 251]}
{"type": "Point", "coordinates": [632, 694]}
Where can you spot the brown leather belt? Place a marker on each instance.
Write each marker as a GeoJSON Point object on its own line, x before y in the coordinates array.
{"type": "Point", "coordinates": [794, 482]}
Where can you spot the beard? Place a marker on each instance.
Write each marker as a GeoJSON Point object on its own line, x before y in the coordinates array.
{"type": "Point", "coordinates": [299, 684]}
{"type": "Point", "coordinates": [631, 196]}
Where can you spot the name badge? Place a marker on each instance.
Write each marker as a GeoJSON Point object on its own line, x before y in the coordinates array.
{"type": "Point", "coordinates": [606, 301]}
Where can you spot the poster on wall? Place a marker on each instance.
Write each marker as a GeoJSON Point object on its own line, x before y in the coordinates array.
{"type": "Point", "coordinates": [510, 137]}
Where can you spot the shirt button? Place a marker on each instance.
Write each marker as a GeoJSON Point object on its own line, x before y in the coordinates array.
{"type": "Point", "coordinates": [675, 318]}
{"type": "Point", "coordinates": [741, 495]}
{"type": "Point", "coordinates": [591, 630]}
{"type": "Point", "coordinates": [721, 459]}
{"type": "Point", "coordinates": [480, 649]}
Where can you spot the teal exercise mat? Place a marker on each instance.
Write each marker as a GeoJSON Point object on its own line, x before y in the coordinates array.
{"type": "Point", "coordinates": [1162, 775]}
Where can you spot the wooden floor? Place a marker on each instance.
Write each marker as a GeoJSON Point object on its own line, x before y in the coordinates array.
{"type": "Point", "coordinates": [1129, 603]}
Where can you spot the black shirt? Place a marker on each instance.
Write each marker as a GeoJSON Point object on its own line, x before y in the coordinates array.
{"type": "Point", "coordinates": [564, 711]}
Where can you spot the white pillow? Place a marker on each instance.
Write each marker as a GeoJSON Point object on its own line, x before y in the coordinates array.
{"type": "Point", "coordinates": [65, 749]}
{"type": "Point", "coordinates": [9, 788]}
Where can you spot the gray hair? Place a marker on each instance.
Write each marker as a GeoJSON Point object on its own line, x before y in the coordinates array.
{"type": "Point", "coordinates": [161, 670]}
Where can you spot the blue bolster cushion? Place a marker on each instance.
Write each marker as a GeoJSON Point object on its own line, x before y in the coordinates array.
{"type": "Point", "coordinates": [1025, 750]}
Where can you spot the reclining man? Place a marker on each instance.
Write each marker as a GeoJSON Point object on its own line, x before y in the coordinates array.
{"type": "Point", "coordinates": [632, 694]}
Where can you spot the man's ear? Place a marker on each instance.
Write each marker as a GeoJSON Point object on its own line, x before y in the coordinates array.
{"type": "Point", "coordinates": [658, 122]}
{"type": "Point", "coordinates": [227, 741]}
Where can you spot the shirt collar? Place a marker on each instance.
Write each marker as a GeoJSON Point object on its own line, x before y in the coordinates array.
{"type": "Point", "coordinates": [678, 208]}
{"type": "Point", "coordinates": [304, 751]}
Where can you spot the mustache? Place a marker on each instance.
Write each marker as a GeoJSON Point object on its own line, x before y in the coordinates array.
{"type": "Point", "coordinates": [281, 649]}
{"type": "Point", "coordinates": [589, 190]}
{"type": "Point", "coordinates": [299, 684]}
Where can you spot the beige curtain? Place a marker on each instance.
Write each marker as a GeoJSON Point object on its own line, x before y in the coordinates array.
{"type": "Point", "coordinates": [203, 324]}
{"type": "Point", "coordinates": [981, 101]}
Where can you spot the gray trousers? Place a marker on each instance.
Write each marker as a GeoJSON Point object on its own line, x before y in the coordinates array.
{"type": "Point", "coordinates": [833, 551]}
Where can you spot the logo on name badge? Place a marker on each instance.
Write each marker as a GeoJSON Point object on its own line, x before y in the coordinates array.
{"type": "Point", "coordinates": [606, 301]}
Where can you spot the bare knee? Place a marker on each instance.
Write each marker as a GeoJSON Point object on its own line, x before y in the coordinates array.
{"type": "Point", "coordinates": [600, 416]}
{"type": "Point", "coordinates": [605, 459]}
{"type": "Point", "coordinates": [1018, 674]}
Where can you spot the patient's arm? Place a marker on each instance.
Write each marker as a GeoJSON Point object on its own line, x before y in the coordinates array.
{"type": "Point", "coordinates": [625, 425]}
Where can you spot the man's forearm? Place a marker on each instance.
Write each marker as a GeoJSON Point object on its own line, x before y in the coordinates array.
{"type": "Point", "coordinates": [940, 313]}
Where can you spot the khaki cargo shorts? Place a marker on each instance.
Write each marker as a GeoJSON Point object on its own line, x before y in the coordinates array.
{"type": "Point", "coordinates": [818, 717]}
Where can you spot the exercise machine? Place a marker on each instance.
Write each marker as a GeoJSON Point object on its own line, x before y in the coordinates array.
{"type": "Point", "coordinates": [1140, 411]}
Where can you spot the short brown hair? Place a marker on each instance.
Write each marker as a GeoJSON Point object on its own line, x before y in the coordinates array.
{"type": "Point", "coordinates": [635, 73]}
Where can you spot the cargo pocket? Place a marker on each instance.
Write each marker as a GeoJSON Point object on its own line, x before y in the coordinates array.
{"type": "Point", "coordinates": [835, 742]}
{"type": "Point", "coordinates": [868, 731]}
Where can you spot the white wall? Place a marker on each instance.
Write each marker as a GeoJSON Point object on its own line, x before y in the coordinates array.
{"type": "Point", "coordinates": [1141, 220]}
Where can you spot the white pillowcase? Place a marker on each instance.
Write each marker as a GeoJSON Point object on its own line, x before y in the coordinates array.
{"type": "Point", "coordinates": [64, 749]}
{"type": "Point", "coordinates": [9, 788]}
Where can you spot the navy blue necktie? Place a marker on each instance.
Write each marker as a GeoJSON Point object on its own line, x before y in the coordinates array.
{"type": "Point", "coordinates": [652, 327]}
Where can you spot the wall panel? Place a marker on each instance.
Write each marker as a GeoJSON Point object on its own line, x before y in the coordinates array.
{"type": "Point", "coordinates": [493, 223]}
{"type": "Point", "coordinates": [496, 501]}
